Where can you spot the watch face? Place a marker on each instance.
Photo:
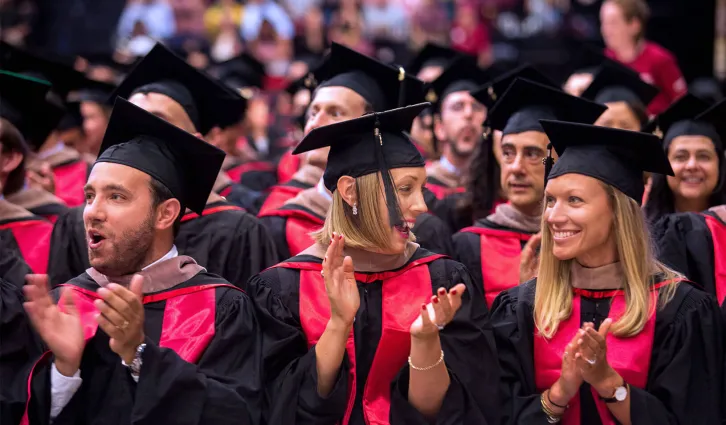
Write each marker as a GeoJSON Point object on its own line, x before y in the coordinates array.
{"type": "Point", "coordinates": [621, 393]}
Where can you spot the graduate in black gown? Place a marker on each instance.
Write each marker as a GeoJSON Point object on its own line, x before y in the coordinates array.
{"type": "Point", "coordinates": [122, 347]}
{"type": "Point", "coordinates": [606, 334]}
{"type": "Point", "coordinates": [341, 358]}
{"type": "Point", "coordinates": [226, 240]}
{"type": "Point", "coordinates": [353, 84]}
{"type": "Point", "coordinates": [498, 249]}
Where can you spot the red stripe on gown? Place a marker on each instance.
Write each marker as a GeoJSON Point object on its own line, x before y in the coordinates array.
{"type": "Point", "coordinates": [33, 238]}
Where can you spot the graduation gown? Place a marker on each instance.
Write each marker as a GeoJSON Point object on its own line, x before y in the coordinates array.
{"type": "Point", "coordinates": [70, 172]}
{"type": "Point", "coordinates": [442, 182]}
{"type": "Point", "coordinates": [225, 240]}
{"type": "Point", "coordinates": [208, 374]}
{"type": "Point", "coordinates": [39, 202]}
{"type": "Point", "coordinates": [694, 244]}
{"type": "Point", "coordinates": [256, 175]}
{"type": "Point", "coordinates": [12, 266]}
{"type": "Point", "coordinates": [674, 366]}
{"type": "Point", "coordinates": [372, 385]}
{"type": "Point", "coordinates": [28, 234]}
{"type": "Point", "coordinates": [304, 178]}
{"type": "Point", "coordinates": [491, 253]}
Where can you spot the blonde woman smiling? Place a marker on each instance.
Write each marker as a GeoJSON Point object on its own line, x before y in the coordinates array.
{"type": "Point", "coordinates": [606, 334]}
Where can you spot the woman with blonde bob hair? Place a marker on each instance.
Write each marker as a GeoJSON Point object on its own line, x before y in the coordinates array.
{"type": "Point", "coordinates": [369, 327]}
{"type": "Point", "coordinates": [605, 334]}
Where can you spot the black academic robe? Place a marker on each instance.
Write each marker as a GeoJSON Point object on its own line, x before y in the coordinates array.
{"type": "Point", "coordinates": [281, 193]}
{"type": "Point", "coordinates": [31, 236]}
{"type": "Point", "coordinates": [256, 175]}
{"type": "Point", "coordinates": [679, 358]}
{"type": "Point", "coordinates": [225, 240]}
{"type": "Point", "coordinates": [244, 197]}
{"type": "Point", "coordinates": [208, 375]}
{"type": "Point", "coordinates": [295, 287]}
{"type": "Point", "coordinates": [694, 244]}
{"type": "Point", "coordinates": [13, 267]}
{"type": "Point", "coordinates": [491, 253]}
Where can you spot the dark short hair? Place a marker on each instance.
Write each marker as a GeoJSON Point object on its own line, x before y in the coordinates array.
{"type": "Point", "coordinates": [159, 194]}
{"type": "Point", "coordinates": [12, 141]}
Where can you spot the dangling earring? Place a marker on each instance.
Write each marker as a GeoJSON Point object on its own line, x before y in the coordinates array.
{"type": "Point", "coordinates": [355, 208]}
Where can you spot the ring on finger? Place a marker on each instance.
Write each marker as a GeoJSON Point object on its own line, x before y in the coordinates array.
{"type": "Point", "coordinates": [591, 362]}
{"type": "Point", "coordinates": [441, 327]}
{"type": "Point", "coordinates": [322, 273]}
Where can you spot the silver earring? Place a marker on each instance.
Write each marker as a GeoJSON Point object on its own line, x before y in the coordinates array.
{"type": "Point", "coordinates": [355, 208]}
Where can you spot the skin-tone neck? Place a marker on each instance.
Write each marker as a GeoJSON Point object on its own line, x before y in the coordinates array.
{"type": "Point", "coordinates": [691, 205]}
{"type": "Point", "coordinates": [531, 210]}
{"type": "Point", "coordinates": [630, 52]}
{"type": "Point", "coordinates": [460, 162]}
{"type": "Point", "coordinates": [599, 256]}
{"type": "Point", "coordinates": [159, 248]}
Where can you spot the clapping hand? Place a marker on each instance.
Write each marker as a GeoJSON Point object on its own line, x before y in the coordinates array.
{"type": "Point", "coordinates": [121, 316]}
{"type": "Point", "coordinates": [438, 313]}
{"type": "Point", "coordinates": [340, 283]}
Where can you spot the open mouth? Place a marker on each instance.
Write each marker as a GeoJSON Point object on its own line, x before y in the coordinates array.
{"type": "Point", "coordinates": [95, 239]}
{"type": "Point", "coordinates": [560, 236]}
{"type": "Point", "coordinates": [404, 230]}
{"type": "Point", "coordinates": [693, 180]}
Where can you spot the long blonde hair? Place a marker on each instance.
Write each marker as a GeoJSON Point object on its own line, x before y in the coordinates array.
{"type": "Point", "coordinates": [367, 230]}
{"type": "Point", "coordinates": [553, 294]}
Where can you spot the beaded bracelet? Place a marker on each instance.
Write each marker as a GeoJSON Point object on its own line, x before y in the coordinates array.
{"type": "Point", "coordinates": [423, 369]}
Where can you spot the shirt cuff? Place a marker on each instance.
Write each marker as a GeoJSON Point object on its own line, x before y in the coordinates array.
{"type": "Point", "coordinates": [62, 389]}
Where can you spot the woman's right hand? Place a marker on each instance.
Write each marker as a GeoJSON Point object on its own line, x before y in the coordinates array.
{"type": "Point", "coordinates": [570, 377]}
{"type": "Point", "coordinates": [340, 283]}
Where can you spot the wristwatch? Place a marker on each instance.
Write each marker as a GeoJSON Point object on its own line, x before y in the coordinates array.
{"type": "Point", "coordinates": [621, 393]}
{"type": "Point", "coordinates": [135, 366]}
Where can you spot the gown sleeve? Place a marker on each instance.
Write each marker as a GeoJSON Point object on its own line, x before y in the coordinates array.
{"type": "Point", "coordinates": [291, 395]}
{"type": "Point", "coordinates": [433, 234]}
{"type": "Point", "coordinates": [68, 256]}
{"type": "Point", "coordinates": [467, 251]}
{"type": "Point", "coordinates": [685, 380]}
{"type": "Point", "coordinates": [514, 331]}
{"type": "Point", "coordinates": [225, 385]}
{"type": "Point", "coordinates": [13, 268]}
{"type": "Point", "coordinates": [277, 228]}
{"type": "Point", "coordinates": [470, 357]}
{"type": "Point", "coordinates": [19, 346]}
{"type": "Point", "coordinates": [253, 250]}
{"type": "Point", "coordinates": [259, 181]}
{"type": "Point", "coordinates": [250, 200]}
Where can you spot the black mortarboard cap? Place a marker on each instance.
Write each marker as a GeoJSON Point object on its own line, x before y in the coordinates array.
{"type": "Point", "coordinates": [462, 74]}
{"type": "Point", "coordinates": [431, 54]}
{"type": "Point", "coordinates": [45, 66]}
{"type": "Point", "coordinates": [365, 145]}
{"type": "Point", "coordinates": [23, 102]}
{"type": "Point", "coordinates": [685, 108]}
{"type": "Point", "coordinates": [88, 90]}
{"type": "Point", "coordinates": [709, 123]}
{"type": "Point", "coordinates": [207, 102]}
{"type": "Point", "coordinates": [490, 92]}
{"type": "Point", "coordinates": [383, 86]}
{"type": "Point", "coordinates": [107, 59]}
{"type": "Point", "coordinates": [613, 156]}
{"type": "Point", "coordinates": [240, 71]}
{"type": "Point", "coordinates": [614, 82]}
{"type": "Point", "coordinates": [706, 88]}
{"type": "Point", "coordinates": [526, 102]}
{"type": "Point", "coordinates": [587, 58]}
{"type": "Point", "coordinates": [185, 164]}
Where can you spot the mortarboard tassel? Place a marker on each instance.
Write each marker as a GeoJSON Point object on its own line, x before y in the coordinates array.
{"type": "Point", "coordinates": [394, 211]}
{"type": "Point", "coordinates": [548, 162]}
{"type": "Point", "coordinates": [401, 87]}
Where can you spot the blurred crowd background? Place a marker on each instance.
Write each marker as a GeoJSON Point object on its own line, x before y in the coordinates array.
{"type": "Point", "coordinates": [287, 36]}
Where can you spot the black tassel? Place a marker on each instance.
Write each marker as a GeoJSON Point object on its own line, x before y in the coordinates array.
{"type": "Point", "coordinates": [401, 87]}
{"type": "Point", "coordinates": [394, 211]}
{"type": "Point", "coordinates": [548, 162]}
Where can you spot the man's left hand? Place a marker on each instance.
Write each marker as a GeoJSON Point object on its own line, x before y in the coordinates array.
{"type": "Point", "coordinates": [122, 316]}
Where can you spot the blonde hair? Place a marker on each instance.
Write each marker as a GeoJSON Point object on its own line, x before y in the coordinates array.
{"type": "Point", "coordinates": [553, 294]}
{"type": "Point", "coordinates": [367, 230]}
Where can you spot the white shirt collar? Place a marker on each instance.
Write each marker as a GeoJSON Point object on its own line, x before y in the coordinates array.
{"type": "Point", "coordinates": [324, 190]}
{"type": "Point", "coordinates": [173, 252]}
{"type": "Point", "coordinates": [448, 166]}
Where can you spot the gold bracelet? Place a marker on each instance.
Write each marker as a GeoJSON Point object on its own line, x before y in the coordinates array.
{"type": "Point", "coordinates": [424, 369]}
{"type": "Point", "coordinates": [552, 417]}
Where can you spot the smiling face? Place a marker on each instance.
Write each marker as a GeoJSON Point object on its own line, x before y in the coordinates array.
{"type": "Point", "coordinates": [409, 183]}
{"type": "Point", "coordinates": [617, 31]}
{"type": "Point", "coordinates": [619, 115]}
{"type": "Point", "coordinates": [331, 105]}
{"type": "Point", "coordinates": [695, 164]}
{"type": "Point", "coordinates": [461, 124]}
{"type": "Point", "coordinates": [118, 218]}
{"type": "Point", "coordinates": [522, 172]}
{"type": "Point", "coordinates": [579, 216]}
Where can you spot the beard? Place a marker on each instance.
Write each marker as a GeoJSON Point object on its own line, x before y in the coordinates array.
{"type": "Point", "coordinates": [457, 149]}
{"type": "Point", "coordinates": [128, 252]}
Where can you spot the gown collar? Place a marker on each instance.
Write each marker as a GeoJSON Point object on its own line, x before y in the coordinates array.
{"type": "Point", "coordinates": [610, 276]}
{"type": "Point", "coordinates": [367, 261]}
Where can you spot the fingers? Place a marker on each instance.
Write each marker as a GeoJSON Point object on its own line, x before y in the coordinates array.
{"type": "Point", "coordinates": [69, 301]}
{"type": "Point", "coordinates": [596, 339]}
{"type": "Point", "coordinates": [425, 317]}
{"type": "Point", "coordinates": [137, 286]}
{"type": "Point", "coordinates": [111, 330]}
{"type": "Point", "coordinates": [529, 252]}
{"type": "Point", "coordinates": [348, 268]}
{"type": "Point", "coordinates": [110, 315]}
{"type": "Point", "coordinates": [605, 327]}
{"type": "Point", "coordinates": [113, 295]}
{"type": "Point", "coordinates": [445, 312]}
{"type": "Point", "coordinates": [455, 295]}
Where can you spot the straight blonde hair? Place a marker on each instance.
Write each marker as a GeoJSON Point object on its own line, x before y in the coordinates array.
{"type": "Point", "coordinates": [367, 230]}
{"type": "Point", "coordinates": [553, 294]}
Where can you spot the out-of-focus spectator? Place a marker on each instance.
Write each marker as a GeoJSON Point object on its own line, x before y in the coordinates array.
{"type": "Point", "coordinates": [297, 9]}
{"type": "Point", "coordinates": [385, 20]}
{"type": "Point", "coordinates": [189, 16]}
{"type": "Point", "coordinates": [156, 18]}
{"type": "Point", "coordinates": [429, 23]}
{"type": "Point", "coordinates": [15, 19]}
{"type": "Point", "coordinates": [227, 44]}
{"type": "Point", "coordinates": [346, 27]}
{"type": "Point", "coordinates": [312, 38]}
{"type": "Point", "coordinates": [222, 12]}
{"type": "Point", "coordinates": [469, 33]}
{"type": "Point", "coordinates": [622, 24]}
{"type": "Point", "coordinates": [140, 42]}
{"type": "Point", "coordinates": [259, 11]}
